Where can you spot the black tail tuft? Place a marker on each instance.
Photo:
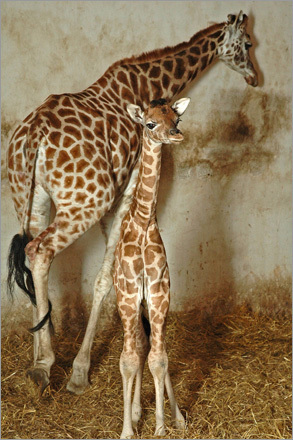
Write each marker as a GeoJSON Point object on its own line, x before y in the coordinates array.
{"type": "Point", "coordinates": [18, 272]}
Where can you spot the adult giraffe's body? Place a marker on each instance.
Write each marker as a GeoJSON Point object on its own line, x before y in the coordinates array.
{"type": "Point", "coordinates": [79, 150]}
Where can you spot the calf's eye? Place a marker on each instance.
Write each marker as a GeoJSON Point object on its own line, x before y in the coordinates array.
{"type": "Point", "coordinates": [151, 125]}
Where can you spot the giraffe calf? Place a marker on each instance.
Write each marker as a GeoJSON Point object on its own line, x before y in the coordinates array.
{"type": "Point", "coordinates": [141, 271]}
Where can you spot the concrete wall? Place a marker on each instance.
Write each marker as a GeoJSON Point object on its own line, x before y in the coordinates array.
{"type": "Point", "coordinates": [225, 197]}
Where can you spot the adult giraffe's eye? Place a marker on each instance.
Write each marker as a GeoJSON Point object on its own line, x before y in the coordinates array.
{"type": "Point", "coordinates": [151, 125]}
{"type": "Point", "coordinates": [248, 45]}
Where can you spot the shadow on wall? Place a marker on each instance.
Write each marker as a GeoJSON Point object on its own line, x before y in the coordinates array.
{"type": "Point", "coordinates": [242, 135]}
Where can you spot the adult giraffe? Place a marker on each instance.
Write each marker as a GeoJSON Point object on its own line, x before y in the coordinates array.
{"type": "Point", "coordinates": [79, 150]}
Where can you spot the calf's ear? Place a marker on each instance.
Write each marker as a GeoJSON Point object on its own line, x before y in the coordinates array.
{"type": "Point", "coordinates": [136, 113]}
{"type": "Point", "coordinates": [180, 106]}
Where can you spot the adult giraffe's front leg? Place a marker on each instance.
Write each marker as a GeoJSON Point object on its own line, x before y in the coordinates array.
{"type": "Point", "coordinates": [103, 284]}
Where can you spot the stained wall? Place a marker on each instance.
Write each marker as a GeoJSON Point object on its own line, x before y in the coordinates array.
{"type": "Point", "coordinates": [225, 198]}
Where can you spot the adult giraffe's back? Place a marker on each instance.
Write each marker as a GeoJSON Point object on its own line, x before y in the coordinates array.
{"type": "Point", "coordinates": [79, 150]}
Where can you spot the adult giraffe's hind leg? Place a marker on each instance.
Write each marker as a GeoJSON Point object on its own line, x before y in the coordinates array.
{"type": "Point", "coordinates": [44, 356]}
{"type": "Point", "coordinates": [38, 222]}
{"type": "Point", "coordinates": [41, 251]}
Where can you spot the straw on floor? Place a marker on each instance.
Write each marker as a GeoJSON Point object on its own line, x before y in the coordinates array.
{"type": "Point", "coordinates": [231, 376]}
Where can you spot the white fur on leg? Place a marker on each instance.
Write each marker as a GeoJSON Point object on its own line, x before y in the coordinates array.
{"type": "Point", "coordinates": [38, 221]}
{"type": "Point", "coordinates": [160, 422]}
{"type": "Point", "coordinates": [36, 335]}
{"type": "Point", "coordinates": [81, 364]}
{"type": "Point", "coordinates": [129, 366]}
{"type": "Point", "coordinates": [44, 355]}
{"type": "Point", "coordinates": [136, 406]}
{"type": "Point", "coordinates": [158, 367]}
{"type": "Point", "coordinates": [176, 415]}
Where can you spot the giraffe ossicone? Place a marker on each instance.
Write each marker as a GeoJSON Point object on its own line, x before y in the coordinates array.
{"type": "Point", "coordinates": [79, 151]}
{"type": "Point", "coordinates": [141, 271]}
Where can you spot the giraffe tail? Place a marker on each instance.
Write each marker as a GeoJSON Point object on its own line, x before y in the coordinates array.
{"type": "Point", "coordinates": [20, 274]}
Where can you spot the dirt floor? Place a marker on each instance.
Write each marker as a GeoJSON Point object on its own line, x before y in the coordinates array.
{"type": "Point", "coordinates": [231, 375]}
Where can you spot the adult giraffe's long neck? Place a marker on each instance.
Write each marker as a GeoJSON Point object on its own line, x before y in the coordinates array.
{"type": "Point", "coordinates": [162, 73]}
{"type": "Point", "coordinates": [143, 208]}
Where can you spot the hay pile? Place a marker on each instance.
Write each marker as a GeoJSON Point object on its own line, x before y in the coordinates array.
{"type": "Point", "coordinates": [231, 375]}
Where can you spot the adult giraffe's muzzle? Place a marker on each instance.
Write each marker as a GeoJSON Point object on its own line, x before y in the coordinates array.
{"type": "Point", "coordinates": [251, 78]}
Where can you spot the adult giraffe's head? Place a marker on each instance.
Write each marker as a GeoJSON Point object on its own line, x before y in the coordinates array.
{"type": "Point", "coordinates": [234, 48]}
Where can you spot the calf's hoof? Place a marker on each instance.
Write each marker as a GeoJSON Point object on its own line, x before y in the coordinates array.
{"type": "Point", "coordinates": [127, 434]}
{"type": "Point", "coordinates": [136, 414]}
{"type": "Point", "coordinates": [39, 377]}
{"type": "Point", "coordinates": [160, 432]}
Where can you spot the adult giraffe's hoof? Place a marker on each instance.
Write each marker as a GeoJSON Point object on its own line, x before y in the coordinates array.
{"type": "Point", "coordinates": [78, 382]}
{"type": "Point", "coordinates": [180, 422]}
{"type": "Point", "coordinates": [39, 377]}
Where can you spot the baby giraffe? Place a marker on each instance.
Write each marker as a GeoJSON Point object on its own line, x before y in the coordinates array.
{"type": "Point", "coordinates": [141, 272]}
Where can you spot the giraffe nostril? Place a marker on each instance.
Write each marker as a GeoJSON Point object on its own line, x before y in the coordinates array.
{"type": "Point", "coordinates": [174, 131]}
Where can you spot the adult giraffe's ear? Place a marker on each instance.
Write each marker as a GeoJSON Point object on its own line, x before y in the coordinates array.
{"type": "Point", "coordinates": [238, 20]}
{"type": "Point", "coordinates": [180, 106]}
{"type": "Point", "coordinates": [231, 18]}
{"type": "Point", "coordinates": [241, 19]}
{"type": "Point", "coordinates": [136, 113]}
